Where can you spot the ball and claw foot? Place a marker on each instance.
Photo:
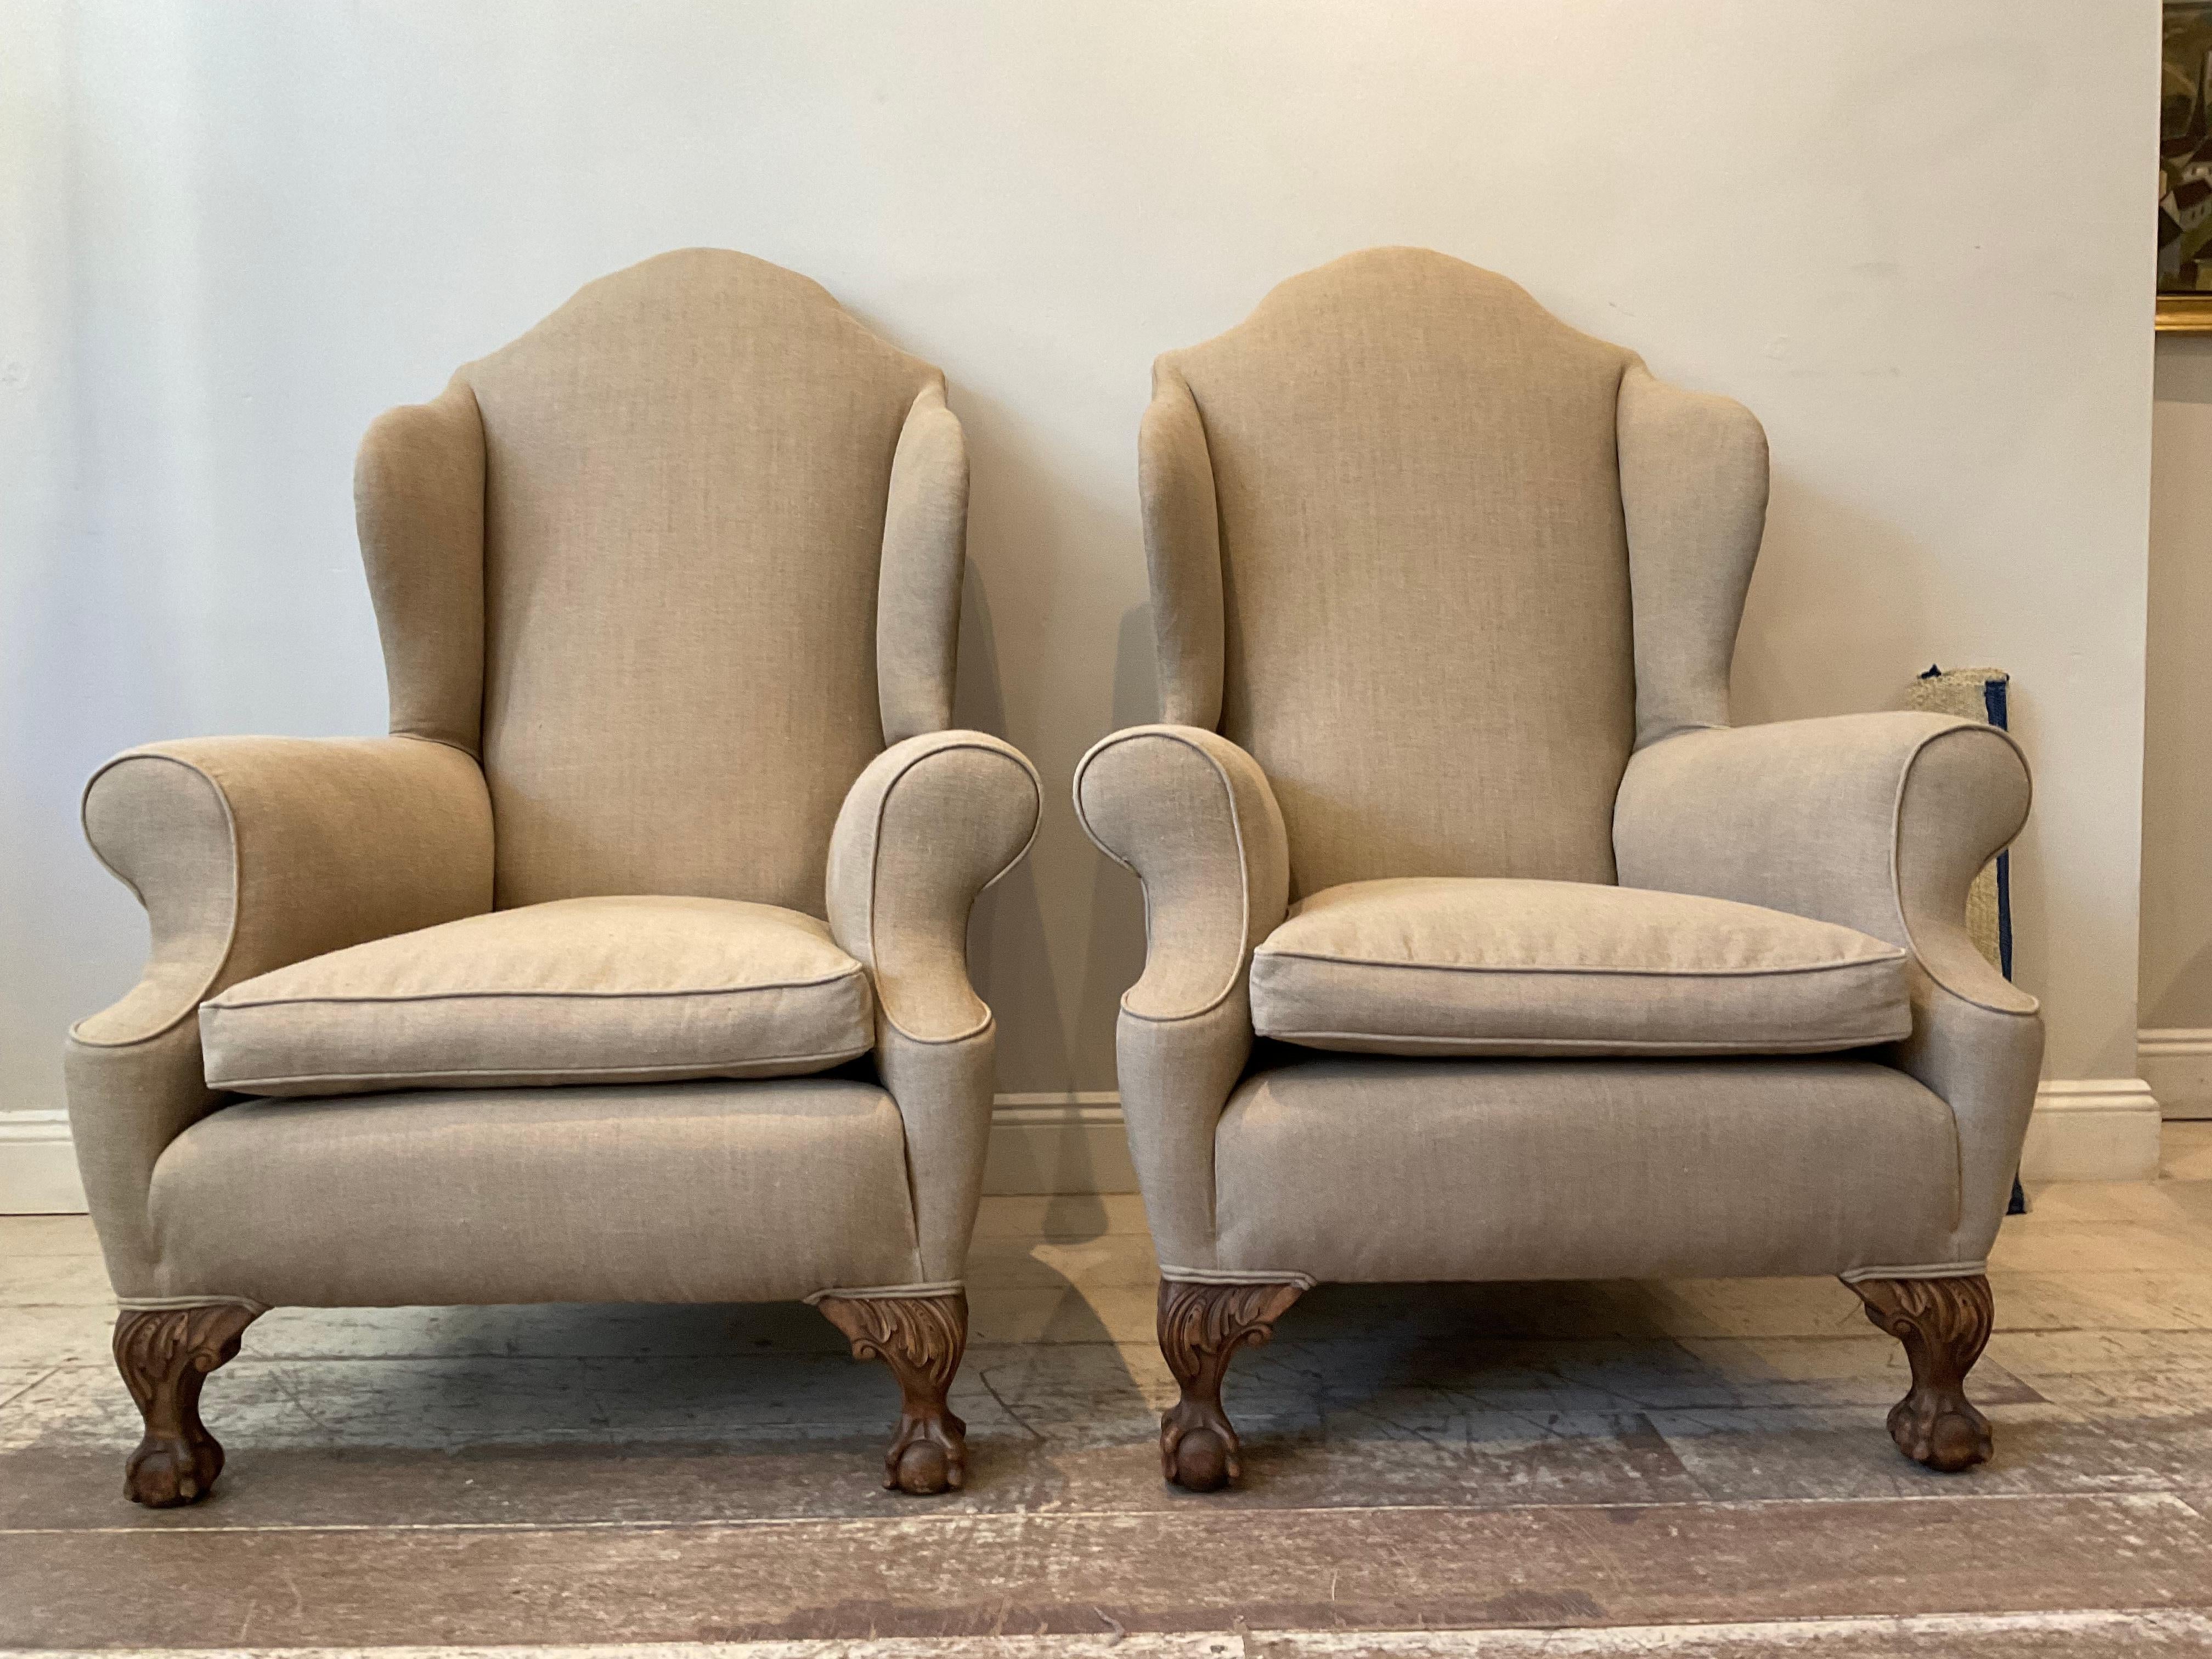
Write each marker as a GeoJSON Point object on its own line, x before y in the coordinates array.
{"type": "Point", "coordinates": [1199, 1448]}
{"type": "Point", "coordinates": [921, 1338]}
{"type": "Point", "coordinates": [1944, 1323]}
{"type": "Point", "coordinates": [930, 1455]}
{"type": "Point", "coordinates": [165, 1354]}
{"type": "Point", "coordinates": [1202, 1328]}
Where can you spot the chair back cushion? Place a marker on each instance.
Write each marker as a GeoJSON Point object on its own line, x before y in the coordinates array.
{"type": "Point", "coordinates": [686, 468]}
{"type": "Point", "coordinates": [1425, 575]}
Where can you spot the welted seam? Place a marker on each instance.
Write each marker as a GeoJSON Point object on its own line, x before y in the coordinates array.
{"type": "Point", "coordinates": [1897, 842]}
{"type": "Point", "coordinates": [222, 1005]}
{"type": "Point", "coordinates": [1888, 958]}
{"type": "Point", "coordinates": [875, 869]}
{"type": "Point", "coordinates": [237, 894]}
{"type": "Point", "coordinates": [1245, 945]}
{"type": "Point", "coordinates": [243, 1085]}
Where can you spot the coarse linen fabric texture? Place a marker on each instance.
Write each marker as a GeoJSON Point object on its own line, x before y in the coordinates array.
{"type": "Point", "coordinates": [591, 990]}
{"type": "Point", "coordinates": [418, 495]}
{"type": "Point", "coordinates": [628, 574]}
{"type": "Point", "coordinates": [1462, 557]}
{"type": "Point", "coordinates": [1439, 964]}
{"type": "Point", "coordinates": [1191, 815]}
{"type": "Point", "coordinates": [933, 822]}
{"type": "Point", "coordinates": [1423, 554]}
{"type": "Point", "coordinates": [1878, 822]}
{"type": "Point", "coordinates": [925, 554]}
{"type": "Point", "coordinates": [1693, 501]}
{"type": "Point", "coordinates": [248, 853]}
{"type": "Point", "coordinates": [1388, 1170]}
{"type": "Point", "coordinates": [680, 1192]}
{"type": "Point", "coordinates": [686, 473]}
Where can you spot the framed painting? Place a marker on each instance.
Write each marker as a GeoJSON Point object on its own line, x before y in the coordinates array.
{"type": "Point", "coordinates": [2184, 171]}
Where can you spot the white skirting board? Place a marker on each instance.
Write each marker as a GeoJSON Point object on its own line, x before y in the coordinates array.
{"type": "Point", "coordinates": [38, 1165]}
{"type": "Point", "coordinates": [2084, 1129]}
{"type": "Point", "coordinates": [2177, 1066]}
{"type": "Point", "coordinates": [2098, 1128]}
{"type": "Point", "coordinates": [1058, 1143]}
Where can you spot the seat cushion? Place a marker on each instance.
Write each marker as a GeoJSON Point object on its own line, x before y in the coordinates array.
{"type": "Point", "coordinates": [1394, 1170]}
{"type": "Point", "coordinates": [688, 1192]}
{"type": "Point", "coordinates": [587, 990]}
{"type": "Point", "coordinates": [1442, 965]}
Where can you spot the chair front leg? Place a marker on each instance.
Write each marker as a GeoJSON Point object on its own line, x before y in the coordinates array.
{"type": "Point", "coordinates": [1202, 1328]}
{"type": "Point", "coordinates": [921, 1338]}
{"type": "Point", "coordinates": [1944, 1324]}
{"type": "Point", "coordinates": [165, 1354]}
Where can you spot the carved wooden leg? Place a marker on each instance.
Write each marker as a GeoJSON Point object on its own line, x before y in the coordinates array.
{"type": "Point", "coordinates": [1943, 1323]}
{"type": "Point", "coordinates": [165, 1354]}
{"type": "Point", "coordinates": [1202, 1328]}
{"type": "Point", "coordinates": [920, 1338]}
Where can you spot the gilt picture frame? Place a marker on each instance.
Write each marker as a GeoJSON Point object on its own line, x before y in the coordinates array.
{"type": "Point", "coordinates": [2184, 169]}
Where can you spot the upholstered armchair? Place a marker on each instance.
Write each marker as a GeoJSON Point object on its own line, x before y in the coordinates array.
{"type": "Point", "coordinates": [631, 966]}
{"type": "Point", "coordinates": [1557, 975]}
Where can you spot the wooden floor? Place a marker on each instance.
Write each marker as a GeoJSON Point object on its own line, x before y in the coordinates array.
{"type": "Point", "coordinates": [1680, 1468]}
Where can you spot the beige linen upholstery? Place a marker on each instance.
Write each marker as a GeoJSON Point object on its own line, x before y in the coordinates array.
{"type": "Point", "coordinates": [1438, 965]}
{"type": "Point", "coordinates": [687, 467]}
{"type": "Point", "coordinates": [1431, 562]}
{"type": "Point", "coordinates": [657, 583]}
{"type": "Point", "coordinates": [933, 822]}
{"type": "Point", "coordinates": [592, 990]}
{"type": "Point", "coordinates": [925, 552]}
{"type": "Point", "coordinates": [1879, 822]}
{"type": "Point", "coordinates": [1192, 814]}
{"type": "Point", "coordinates": [1574, 1168]}
{"type": "Point", "coordinates": [1694, 499]}
{"type": "Point", "coordinates": [1471, 516]}
{"type": "Point", "coordinates": [720, 1192]}
{"type": "Point", "coordinates": [418, 489]}
{"type": "Point", "coordinates": [248, 853]}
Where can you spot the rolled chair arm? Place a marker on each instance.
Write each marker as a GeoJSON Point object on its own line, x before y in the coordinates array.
{"type": "Point", "coordinates": [249, 854]}
{"type": "Point", "coordinates": [930, 822]}
{"type": "Point", "coordinates": [1879, 822]}
{"type": "Point", "coordinates": [1194, 816]}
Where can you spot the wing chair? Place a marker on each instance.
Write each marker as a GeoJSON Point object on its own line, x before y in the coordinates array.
{"type": "Point", "coordinates": [631, 966]}
{"type": "Point", "coordinates": [1559, 975]}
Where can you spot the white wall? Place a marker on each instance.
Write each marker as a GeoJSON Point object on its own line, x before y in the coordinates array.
{"type": "Point", "coordinates": [2177, 874]}
{"type": "Point", "coordinates": [1911, 237]}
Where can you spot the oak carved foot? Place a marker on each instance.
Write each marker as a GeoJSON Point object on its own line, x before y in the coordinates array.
{"type": "Point", "coordinates": [165, 1354]}
{"type": "Point", "coordinates": [1943, 1323]}
{"type": "Point", "coordinates": [1202, 1328]}
{"type": "Point", "coordinates": [920, 1338]}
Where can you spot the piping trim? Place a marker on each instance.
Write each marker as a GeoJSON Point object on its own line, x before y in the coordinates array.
{"type": "Point", "coordinates": [1243, 864]}
{"type": "Point", "coordinates": [889, 1292]}
{"type": "Point", "coordinates": [875, 866]}
{"type": "Point", "coordinates": [666, 1070]}
{"type": "Point", "coordinates": [1946, 1270]}
{"type": "Point", "coordinates": [1235, 1276]}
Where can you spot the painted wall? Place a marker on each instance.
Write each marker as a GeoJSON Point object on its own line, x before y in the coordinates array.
{"type": "Point", "coordinates": [1910, 237]}
{"type": "Point", "coordinates": [2177, 875]}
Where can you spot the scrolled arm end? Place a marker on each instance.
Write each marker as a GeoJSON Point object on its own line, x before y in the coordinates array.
{"type": "Point", "coordinates": [1194, 816]}
{"type": "Point", "coordinates": [930, 822]}
{"type": "Point", "coordinates": [251, 853]}
{"type": "Point", "coordinates": [248, 853]}
{"type": "Point", "coordinates": [1879, 822]}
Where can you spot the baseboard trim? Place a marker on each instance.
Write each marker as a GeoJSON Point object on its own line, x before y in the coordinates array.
{"type": "Point", "coordinates": [2176, 1063]}
{"type": "Point", "coordinates": [38, 1165]}
{"type": "Point", "coordinates": [2098, 1128]}
{"type": "Point", "coordinates": [1068, 1141]}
